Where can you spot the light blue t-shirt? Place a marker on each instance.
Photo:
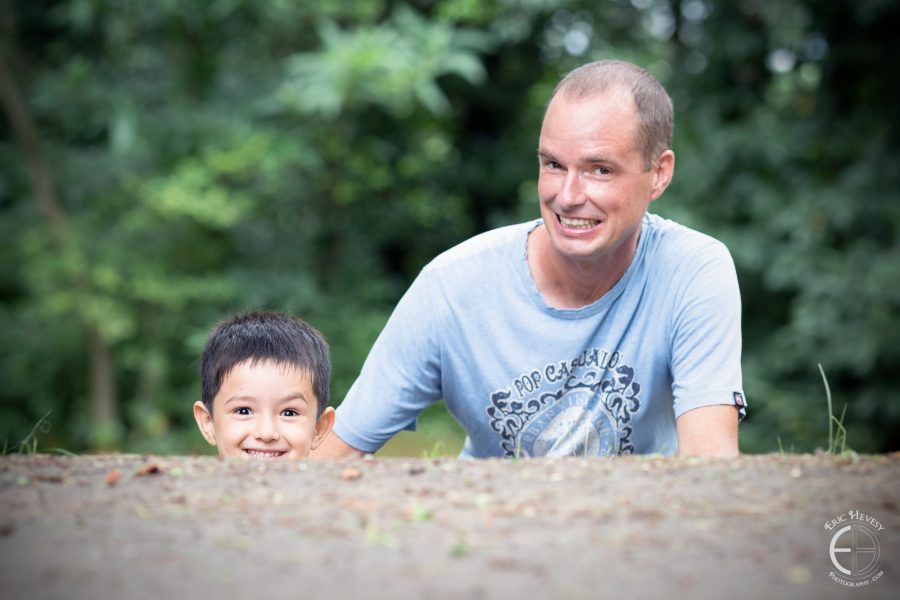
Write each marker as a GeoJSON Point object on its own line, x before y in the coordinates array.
{"type": "Point", "coordinates": [527, 379]}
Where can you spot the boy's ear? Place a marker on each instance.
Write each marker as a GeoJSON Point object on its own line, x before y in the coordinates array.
{"type": "Point", "coordinates": [323, 427]}
{"type": "Point", "coordinates": [205, 422]}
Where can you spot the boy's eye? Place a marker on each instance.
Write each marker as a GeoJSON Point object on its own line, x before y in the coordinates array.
{"type": "Point", "coordinates": [290, 412]}
{"type": "Point", "coordinates": [242, 410]}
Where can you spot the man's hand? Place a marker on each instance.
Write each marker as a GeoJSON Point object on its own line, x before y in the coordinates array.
{"type": "Point", "coordinates": [334, 447]}
{"type": "Point", "coordinates": [708, 431]}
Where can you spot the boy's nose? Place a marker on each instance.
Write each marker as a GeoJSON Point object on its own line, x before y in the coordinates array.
{"type": "Point", "coordinates": [266, 430]}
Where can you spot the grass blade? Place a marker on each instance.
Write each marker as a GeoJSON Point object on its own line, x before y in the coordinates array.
{"type": "Point", "coordinates": [830, 413]}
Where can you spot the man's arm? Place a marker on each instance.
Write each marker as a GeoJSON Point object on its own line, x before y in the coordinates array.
{"type": "Point", "coordinates": [706, 355]}
{"type": "Point", "coordinates": [708, 431]}
{"type": "Point", "coordinates": [400, 377]}
{"type": "Point", "coordinates": [334, 447]}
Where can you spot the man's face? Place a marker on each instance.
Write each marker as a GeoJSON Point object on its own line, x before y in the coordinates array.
{"type": "Point", "coordinates": [593, 185]}
{"type": "Point", "coordinates": [264, 411]}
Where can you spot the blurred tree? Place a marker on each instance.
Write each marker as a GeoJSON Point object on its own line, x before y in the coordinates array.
{"type": "Point", "coordinates": [784, 144]}
{"type": "Point", "coordinates": [165, 164]}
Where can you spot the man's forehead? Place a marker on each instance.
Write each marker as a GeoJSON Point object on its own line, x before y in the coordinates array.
{"type": "Point", "coordinates": [591, 122]}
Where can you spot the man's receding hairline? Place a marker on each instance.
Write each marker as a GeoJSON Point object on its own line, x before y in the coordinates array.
{"type": "Point", "coordinates": [573, 94]}
{"type": "Point", "coordinates": [574, 91]}
{"type": "Point", "coordinates": [650, 101]}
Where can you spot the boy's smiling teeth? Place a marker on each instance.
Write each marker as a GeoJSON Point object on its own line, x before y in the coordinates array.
{"type": "Point", "coordinates": [264, 453]}
{"type": "Point", "coordinates": [578, 223]}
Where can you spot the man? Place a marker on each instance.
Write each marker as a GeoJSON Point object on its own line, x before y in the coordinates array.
{"type": "Point", "coordinates": [598, 330]}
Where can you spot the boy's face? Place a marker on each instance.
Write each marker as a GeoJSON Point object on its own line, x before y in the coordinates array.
{"type": "Point", "coordinates": [264, 410]}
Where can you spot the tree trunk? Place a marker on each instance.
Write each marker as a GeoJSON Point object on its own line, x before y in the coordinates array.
{"type": "Point", "coordinates": [104, 404]}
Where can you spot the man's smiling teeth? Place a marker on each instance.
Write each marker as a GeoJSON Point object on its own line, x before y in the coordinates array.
{"type": "Point", "coordinates": [264, 453]}
{"type": "Point", "coordinates": [578, 223]}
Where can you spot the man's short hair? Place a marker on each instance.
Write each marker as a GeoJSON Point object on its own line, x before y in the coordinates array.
{"type": "Point", "coordinates": [265, 336]}
{"type": "Point", "coordinates": [654, 106]}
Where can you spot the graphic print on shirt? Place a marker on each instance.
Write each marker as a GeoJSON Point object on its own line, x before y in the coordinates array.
{"type": "Point", "coordinates": [580, 407]}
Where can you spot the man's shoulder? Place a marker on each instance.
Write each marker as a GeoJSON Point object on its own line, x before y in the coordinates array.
{"type": "Point", "coordinates": [673, 242]}
{"type": "Point", "coordinates": [485, 249]}
{"type": "Point", "coordinates": [685, 262]}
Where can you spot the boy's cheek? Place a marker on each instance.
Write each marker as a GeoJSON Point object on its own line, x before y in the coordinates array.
{"type": "Point", "coordinates": [229, 442]}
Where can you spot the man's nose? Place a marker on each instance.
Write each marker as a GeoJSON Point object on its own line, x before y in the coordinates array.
{"type": "Point", "coordinates": [572, 191]}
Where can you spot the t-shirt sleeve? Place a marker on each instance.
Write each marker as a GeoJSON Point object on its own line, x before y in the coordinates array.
{"type": "Point", "coordinates": [402, 374]}
{"type": "Point", "coordinates": [706, 334]}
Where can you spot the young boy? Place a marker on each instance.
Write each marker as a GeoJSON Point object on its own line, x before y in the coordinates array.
{"type": "Point", "coordinates": [264, 380]}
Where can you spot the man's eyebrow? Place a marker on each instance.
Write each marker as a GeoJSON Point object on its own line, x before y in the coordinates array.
{"type": "Point", "coordinates": [591, 160]}
{"type": "Point", "coordinates": [600, 159]}
{"type": "Point", "coordinates": [545, 155]}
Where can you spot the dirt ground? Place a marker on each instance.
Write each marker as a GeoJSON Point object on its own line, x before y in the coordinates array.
{"type": "Point", "coordinates": [126, 526]}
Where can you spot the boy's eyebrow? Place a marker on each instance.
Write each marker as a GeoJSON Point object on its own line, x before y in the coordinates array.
{"type": "Point", "coordinates": [294, 396]}
{"type": "Point", "coordinates": [290, 396]}
{"type": "Point", "coordinates": [240, 399]}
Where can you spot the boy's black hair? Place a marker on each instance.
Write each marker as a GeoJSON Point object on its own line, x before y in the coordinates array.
{"type": "Point", "coordinates": [259, 336]}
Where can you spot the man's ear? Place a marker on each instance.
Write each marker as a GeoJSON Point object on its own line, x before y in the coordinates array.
{"type": "Point", "coordinates": [323, 427]}
{"type": "Point", "coordinates": [663, 170]}
{"type": "Point", "coordinates": [205, 422]}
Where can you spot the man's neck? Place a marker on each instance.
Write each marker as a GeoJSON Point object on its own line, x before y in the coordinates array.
{"type": "Point", "coordinates": [568, 283]}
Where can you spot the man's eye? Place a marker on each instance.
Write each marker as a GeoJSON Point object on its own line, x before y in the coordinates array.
{"type": "Point", "coordinates": [601, 171]}
{"type": "Point", "coordinates": [551, 165]}
{"type": "Point", "coordinates": [243, 411]}
{"type": "Point", "coordinates": [289, 412]}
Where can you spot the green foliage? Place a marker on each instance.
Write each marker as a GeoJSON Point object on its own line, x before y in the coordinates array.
{"type": "Point", "coordinates": [393, 65]}
{"type": "Point", "coordinates": [312, 157]}
{"type": "Point", "coordinates": [802, 192]}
